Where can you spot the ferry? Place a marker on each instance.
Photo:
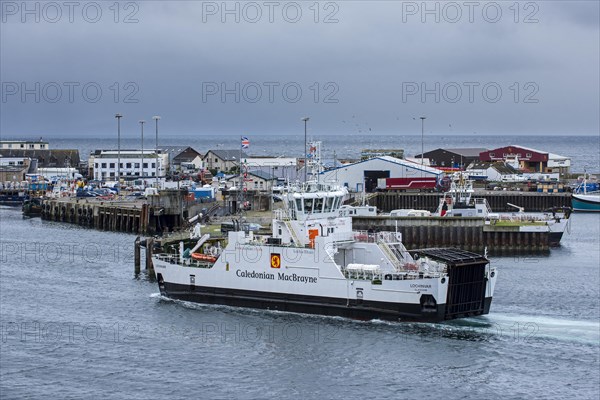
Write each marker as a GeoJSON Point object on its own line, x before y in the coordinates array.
{"type": "Point", "coordinates": [314, 262]}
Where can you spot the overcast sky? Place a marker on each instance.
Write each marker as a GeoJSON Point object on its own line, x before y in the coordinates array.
{"type": "Point", "coordinates": [361, 67]}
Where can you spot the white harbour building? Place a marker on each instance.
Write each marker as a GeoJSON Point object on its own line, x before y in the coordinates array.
{"type": "Point", "coordinates": [134, 164]}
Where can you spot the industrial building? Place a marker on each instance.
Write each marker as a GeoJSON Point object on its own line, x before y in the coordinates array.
{"type": "Point", "coordinates": [363, 175]}
{"type": "Point", "coordinates": [452, 158]}
{"type": "Point", "coordinates": [528, 159]}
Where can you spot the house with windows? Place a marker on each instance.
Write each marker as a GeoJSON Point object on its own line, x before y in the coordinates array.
{"type": "Point", "coordinates": [222, 160]}
{"type": "Point", "coordinates": [68, 158]}
{"type": "Point", "coordinates": [188, 158]}
{"type": "Point", "coordinates": [24, 144]}
{"type": "Point", "coordinates": [254, 180]}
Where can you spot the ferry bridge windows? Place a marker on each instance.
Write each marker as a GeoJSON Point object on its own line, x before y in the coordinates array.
{"type": "Point", "coordinates": [299, 205]}
{"type": "Point", "coordinates": [308, 205]}
{"type": "Point", "coordinates": [329, 204]}
{"type": "Point", "coordinates": [318, 205]}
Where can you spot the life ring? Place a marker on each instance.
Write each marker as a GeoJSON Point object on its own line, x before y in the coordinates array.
{"type": "Point", "coordinates": [203, 257]}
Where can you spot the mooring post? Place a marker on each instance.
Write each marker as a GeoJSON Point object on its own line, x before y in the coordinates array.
{"type": "Point", "coordinates": [149, 246]}
{"type": "Point", "coordinates": [137, 255]}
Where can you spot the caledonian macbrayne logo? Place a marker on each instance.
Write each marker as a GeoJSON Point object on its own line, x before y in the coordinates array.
{"type": "Point", "coordinates": [275, 260]}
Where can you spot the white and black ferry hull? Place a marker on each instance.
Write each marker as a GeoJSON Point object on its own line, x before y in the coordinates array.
{"type": "Point", "coordinates": [312, 285]}
{"type": "Point", "coordinates": [327, 306]}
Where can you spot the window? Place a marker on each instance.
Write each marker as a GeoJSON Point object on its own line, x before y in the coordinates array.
{"type": "Point", "coordinates": [121, 165]}
{"type": "Point", "coordinates": [96, 165]}
{"type": "Point", "coordinates": [255, 184]}
{"type": "Point", "coordinates": [22, 146]}
{"type": "Point", "coordinates": [492, 155]}
{"type": "Point", "coordinates": [42, 146]}
{"type": "Point", "coordinates": [528, 155]}
{"type": "Point", "coordinates": [299, 204]}
{"type": "Point", "coordinates": [145, 165]}
{"type": "Point", "coordinates": [329, 204]}
{"type": "Point", "coordinates": [137, 165]}
{"type": "Point", "coordinates": [153, 165]}
{"type": "Point", "coordinates": [308, 205]}
{"type": "Point", "coordinates": [128, 165]}
{"type": "Point", "coordinates": [112, 165]}
{"type": "Point", "coordinates": [154, 174]}
{"type": "Point", "coordinates": [10, 145]}
{"type": "Point", "coordinates": [31, 146]}
{"type": "Point", "coordinates": [112, 174]}
{"type": "Point", "coordinates": [103, 165]}
{"type": "Point", "coordinates": [216, 160]}
{"type": "Point", "coordinates": [318, 205]}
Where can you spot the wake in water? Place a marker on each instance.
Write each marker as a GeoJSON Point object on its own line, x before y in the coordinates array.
{"type": "Point", "coordinates": [496, 326]}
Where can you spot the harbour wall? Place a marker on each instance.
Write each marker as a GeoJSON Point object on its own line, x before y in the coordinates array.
{"type": "Point", "coordinates": [470, 234]}
{"type": "Point", "coordinates": [158, 214]}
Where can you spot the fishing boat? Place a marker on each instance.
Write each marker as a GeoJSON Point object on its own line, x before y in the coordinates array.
{"type": "Point", "coordinates": [313, 262]}
{"type": "Point", "coordinates": [32, 207]}
{"type": "Point", "coordinates": [458, 201]}
{"type": "Point", "coordinates": [584, 200]}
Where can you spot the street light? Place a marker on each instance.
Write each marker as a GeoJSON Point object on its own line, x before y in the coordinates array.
{"type": "Point", "coordinates": [118, 117]}
{"type": "Point", "coordinates": [422, 138]}
{"type": "Point", "coordinates": [156, 118]}
{"type": "Point", "coordinates": [305, 119]}
{"type": "Point", "coordinates": [142, 122]}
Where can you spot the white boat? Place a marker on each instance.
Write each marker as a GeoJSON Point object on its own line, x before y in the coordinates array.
{"type": "Point", "coordinates": [459, 202]}
{"type": "Point", "coordinates": [582, 200]}
{"type": "Point", "coordinates": [313, 262]}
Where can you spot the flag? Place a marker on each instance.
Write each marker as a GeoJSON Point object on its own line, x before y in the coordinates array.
{"type": "Point", "coordinates": [245, 142]}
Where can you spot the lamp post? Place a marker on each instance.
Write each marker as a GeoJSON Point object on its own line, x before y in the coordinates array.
{"type": "Point", "coordinates": [118, 117]}
{"type": "Point", "coordinates": [305, 119]}
{"type": "Point", "coordinates": [156, 118]}
{"type": "Point", "coordinates": [422, 138]}
{"type": "Point", "coordinates": [142, 122]}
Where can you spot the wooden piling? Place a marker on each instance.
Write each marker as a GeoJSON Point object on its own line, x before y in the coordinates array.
{"type": "Point", "coordinates": [137, 255]}
{"type": "Point", "coordinates": [149, 248]}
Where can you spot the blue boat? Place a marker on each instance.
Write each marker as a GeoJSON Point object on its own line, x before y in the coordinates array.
{"type": "Point", "coordinates": [586, 196]}
{"type": "Point", "coordinates": [586, 202]}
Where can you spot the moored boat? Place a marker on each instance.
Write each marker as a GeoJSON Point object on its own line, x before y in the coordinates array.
{"type": "Point", "coordinates": [458, 201]}
{"type": "Point", "coordinates": [584, 200]}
